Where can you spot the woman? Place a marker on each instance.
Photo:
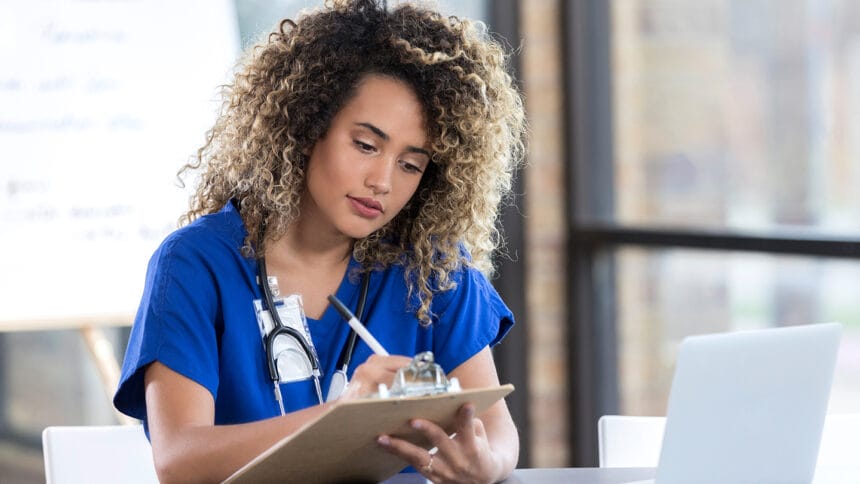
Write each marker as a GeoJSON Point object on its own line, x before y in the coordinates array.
{"type": "Point", "coordinates": [361, 152]}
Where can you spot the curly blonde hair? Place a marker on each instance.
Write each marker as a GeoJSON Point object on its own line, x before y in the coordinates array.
{"type": "Point", "coordinates": [290, 86]}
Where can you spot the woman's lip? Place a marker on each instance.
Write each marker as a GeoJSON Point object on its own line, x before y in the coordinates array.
{"type": "Point", "coordinates": [366, 207]}
{"type": "Point", "coordinates": [369, 202]}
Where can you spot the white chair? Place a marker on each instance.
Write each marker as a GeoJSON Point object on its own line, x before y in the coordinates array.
{"type": "Point", "coordinates": [97, 454]}
{"type": "Point", "coordinates": [632, 441]}
{"type": "Point", "coordinates": [840, 441]}
{"type": "Point", "coordinates": [627, 441]}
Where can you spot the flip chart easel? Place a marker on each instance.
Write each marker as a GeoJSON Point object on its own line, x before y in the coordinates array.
{"type": "Point", "coordinates": [100, 348]}
{"type": "Point", "coordinates": [103, 102]}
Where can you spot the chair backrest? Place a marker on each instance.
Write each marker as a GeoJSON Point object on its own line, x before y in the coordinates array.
{"type": "Point", "coordinates": [633, 441]}
{"type": "Point", "coordinates": [840, 441]}
{"type": "Point", "coordinates": [97, 454]}
{"type": "Point", "coordinates": [629, 441]}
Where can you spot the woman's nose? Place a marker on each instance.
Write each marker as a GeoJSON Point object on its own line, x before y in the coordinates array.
{"type": "Point", "coordinates": [378, 176]}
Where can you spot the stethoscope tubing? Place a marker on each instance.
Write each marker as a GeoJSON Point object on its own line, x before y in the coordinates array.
{"type": "Point", "coordinates": [346, 353]}
{"type": "Point", "coordinates": [345, 356]}
{"type": "Point", "coordinates": [280, 328]}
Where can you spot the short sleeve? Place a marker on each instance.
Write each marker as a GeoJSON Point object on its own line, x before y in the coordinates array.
{"type": "Point", "coordinates": [469, 318]}
{"type": "Point", "coordinates": [175, 324]}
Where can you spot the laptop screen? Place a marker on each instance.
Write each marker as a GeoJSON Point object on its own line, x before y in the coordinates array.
{"type": "Point", "coordinates": [749, 406]}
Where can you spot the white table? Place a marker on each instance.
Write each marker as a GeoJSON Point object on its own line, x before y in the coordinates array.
{"type": "Point", "coordinates": [568, 475]}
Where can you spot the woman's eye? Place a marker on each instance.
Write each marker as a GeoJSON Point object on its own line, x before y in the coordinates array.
{"type": "Point", "coordinates": [410, 168]}
{"type": "Point", "coordinates": [368, 148]}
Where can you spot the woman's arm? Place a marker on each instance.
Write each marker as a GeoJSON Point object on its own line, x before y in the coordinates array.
{"type": "Point", "coordinates": [480, 372]}
{"type": "Point", "coordinates": [187, 446]}
{"type": "Point", "coordinates": [484, 449]}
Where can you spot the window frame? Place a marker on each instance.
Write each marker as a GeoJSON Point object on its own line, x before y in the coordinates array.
{"type": "Point", "coordinates": [592, 315]}
{"type": "Point", "coordinates": [511, 354]}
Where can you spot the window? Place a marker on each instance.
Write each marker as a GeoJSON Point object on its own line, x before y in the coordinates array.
{"type": "Point", "coordinates": [713, 186]}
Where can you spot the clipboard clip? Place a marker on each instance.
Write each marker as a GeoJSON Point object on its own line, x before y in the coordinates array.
{"type": "Point", "coordinates": [421, 377]}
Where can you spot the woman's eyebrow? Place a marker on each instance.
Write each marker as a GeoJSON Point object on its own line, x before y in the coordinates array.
{"type": "Point", "coordinates": [384, 136]}
{"type": "Point", "coordinates": [376, 131]}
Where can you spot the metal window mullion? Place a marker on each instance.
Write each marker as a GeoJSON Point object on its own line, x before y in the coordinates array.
{"type": "Point", "coordinates": [511, 355]}
{"type": "Point", "coordinates": [775, 243]}
{"type": "Point", "coordinates": [591, 325]}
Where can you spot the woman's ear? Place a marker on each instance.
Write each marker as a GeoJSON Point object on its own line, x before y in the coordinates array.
{"type": "Point", "coordinates": [306, 155]}
{"type": "Point", "coordinates": [308, 147]}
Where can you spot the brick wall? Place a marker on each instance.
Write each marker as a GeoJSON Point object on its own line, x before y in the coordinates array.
{"type": "Point", "coordinates": [545, 231]}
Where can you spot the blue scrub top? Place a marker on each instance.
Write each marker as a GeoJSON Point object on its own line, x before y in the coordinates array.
{"type": "Point", "coordinates": [196, 317]}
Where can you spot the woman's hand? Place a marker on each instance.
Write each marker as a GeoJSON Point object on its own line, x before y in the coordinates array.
{"type": "Point", "coordinates": [482, 450]}
{"type": "Point", "coordinates": [367, 377]}
{"type": "Point", "coordinates": [465, 457]}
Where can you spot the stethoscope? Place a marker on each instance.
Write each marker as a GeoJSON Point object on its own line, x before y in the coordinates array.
{"type": "Point", "coordinates": [339, 379]}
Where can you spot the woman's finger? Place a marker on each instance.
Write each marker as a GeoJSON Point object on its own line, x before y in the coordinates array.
{"type": "Point", "coordinates": [434, 433]}
{"type": "Point", "coordinates": [377, 369]}
{"type": "Point", "coordinates": [465, 424]}
{"type": "Point", "coordinates": [419, 458]}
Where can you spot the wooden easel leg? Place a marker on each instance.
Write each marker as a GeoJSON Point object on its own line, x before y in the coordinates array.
{"type": "Point", "coordinates": [102, 353]}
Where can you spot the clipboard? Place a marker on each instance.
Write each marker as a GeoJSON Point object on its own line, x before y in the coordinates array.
{"type": "Point", "coordinates": [340, 445]}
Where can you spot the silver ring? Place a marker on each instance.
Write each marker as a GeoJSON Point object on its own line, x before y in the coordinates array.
{"type": "Point", "coordinates": [429, 467]}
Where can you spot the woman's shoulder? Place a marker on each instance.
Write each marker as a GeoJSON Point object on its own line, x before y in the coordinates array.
{"type": "Point", "coordinates": [462, 277]}
{"type": "Point", "coordinates": [210, 234]}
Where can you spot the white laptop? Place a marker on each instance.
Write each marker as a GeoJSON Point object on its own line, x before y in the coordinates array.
{"type": "Point", "coordinates": [748, 406]}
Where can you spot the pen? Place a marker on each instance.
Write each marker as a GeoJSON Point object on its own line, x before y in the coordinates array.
{"type": "Point", "coordinates": [356, 325]}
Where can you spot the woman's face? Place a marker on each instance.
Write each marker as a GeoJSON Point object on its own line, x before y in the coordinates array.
{"type": "Point", "coordinates": [367, 166]}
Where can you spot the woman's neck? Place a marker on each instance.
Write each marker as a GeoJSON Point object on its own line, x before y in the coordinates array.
{"type": "Point", "coordinates": [295, 246]}
{"type": "Point", "coordinates": [312, 267]}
